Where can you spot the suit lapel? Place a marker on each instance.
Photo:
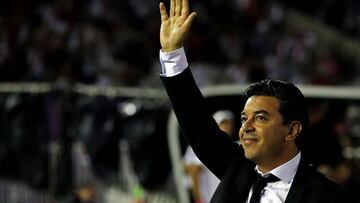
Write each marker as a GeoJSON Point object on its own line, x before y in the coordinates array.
{"type": "Point", "coordinates": [298, 187]}
{"type": "Point", "coordinates": [243, 183]}
{"type": "Point", "coordinates": [235, 185]}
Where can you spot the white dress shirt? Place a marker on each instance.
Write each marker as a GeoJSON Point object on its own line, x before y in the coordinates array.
{"type": "Point", "coordinates": [276, 192]}
{"type": "Point", "coordinates": [175, 62]}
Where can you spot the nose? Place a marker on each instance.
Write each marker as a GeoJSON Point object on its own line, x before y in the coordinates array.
{"type": "Point", "coordinates": [247, 126]}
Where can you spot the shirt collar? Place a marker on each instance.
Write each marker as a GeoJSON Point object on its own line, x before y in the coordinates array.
{"type": "Point", "coordinates": [286, 172]}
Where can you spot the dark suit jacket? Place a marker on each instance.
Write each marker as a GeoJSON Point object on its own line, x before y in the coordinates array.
{"type": "Point", "coordinates": [226, 159]}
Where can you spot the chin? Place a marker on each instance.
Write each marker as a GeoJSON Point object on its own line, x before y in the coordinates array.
{"type": "Point", "coordinates": [249, 156]}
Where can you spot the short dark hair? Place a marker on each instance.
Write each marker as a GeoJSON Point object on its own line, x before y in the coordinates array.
{"type": "Point", "coordinates": [293, 106]}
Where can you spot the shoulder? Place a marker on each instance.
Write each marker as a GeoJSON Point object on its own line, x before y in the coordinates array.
{"type": "Point", "coordinates": [321, 186]}
{"type": "Point", "coordinates": [319, 180]}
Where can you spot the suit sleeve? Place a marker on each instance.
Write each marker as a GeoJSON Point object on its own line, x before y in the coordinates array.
{"type": "Point", "coordinates": [210, 144]}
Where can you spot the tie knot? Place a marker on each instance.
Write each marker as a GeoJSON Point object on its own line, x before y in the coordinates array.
{"type": "Point", "coordinates": [266, 179]}
{"type": "Point", "coordinates": [259, 184]}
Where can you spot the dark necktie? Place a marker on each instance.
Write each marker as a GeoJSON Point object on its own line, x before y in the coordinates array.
{"type": "Point", "coordinates": [259, 184]}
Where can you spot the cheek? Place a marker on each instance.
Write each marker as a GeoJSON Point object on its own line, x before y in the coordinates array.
{"type": "Point", "coordinates": [274, 136]}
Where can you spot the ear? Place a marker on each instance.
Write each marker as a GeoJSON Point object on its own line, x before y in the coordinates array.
{"type": "Point", "coordinates": [295, 128]}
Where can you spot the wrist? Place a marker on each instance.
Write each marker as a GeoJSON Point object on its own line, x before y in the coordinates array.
{"type": "Point", "coordinates": [170, 49]}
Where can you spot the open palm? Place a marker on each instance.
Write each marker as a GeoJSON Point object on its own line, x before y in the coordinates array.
{"type": "Point", "coordinates": [175, 25]}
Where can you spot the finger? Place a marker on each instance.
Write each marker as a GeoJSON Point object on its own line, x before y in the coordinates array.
{"type": "Point", "coordinates": [163, 13]}
{"type": "Point", "coordinates": [188, 22]}
{"type": "Point", "coordinates": [178, 7]}
{"type": "Point", "coordinates": [172, 7]}
{"type": "Point", "coordinates": [185, 8]}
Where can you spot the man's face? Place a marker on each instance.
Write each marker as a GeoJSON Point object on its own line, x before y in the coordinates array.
{"type": "Point", "coordinates": [263, 133]}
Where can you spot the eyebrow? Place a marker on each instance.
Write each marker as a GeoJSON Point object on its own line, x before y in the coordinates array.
{"type": "Point", "coordinates": [256, 112]}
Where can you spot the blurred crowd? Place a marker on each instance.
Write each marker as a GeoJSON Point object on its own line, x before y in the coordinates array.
{"type": "Point", "coordinates": [110, 42]}
{"type": "Point", "coordinates": [88, 41]}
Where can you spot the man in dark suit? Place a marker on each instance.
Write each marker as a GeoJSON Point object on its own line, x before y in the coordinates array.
{"type": "Point", "coordinates": [273, 118]}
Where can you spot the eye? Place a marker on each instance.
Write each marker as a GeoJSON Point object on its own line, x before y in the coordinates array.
{"type": "Point", "coordinates": [261, 118]}
{"type": "Point", "coordinates": [243, 119]}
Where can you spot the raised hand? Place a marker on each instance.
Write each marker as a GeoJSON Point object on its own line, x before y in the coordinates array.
{"type": "Point", "coordinates": [174, 27]}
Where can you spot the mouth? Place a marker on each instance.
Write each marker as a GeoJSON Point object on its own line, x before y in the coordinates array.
{"type": "Point", "coordinates": [249, 141]}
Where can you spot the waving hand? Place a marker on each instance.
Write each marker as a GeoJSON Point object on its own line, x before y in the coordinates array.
{"type": "Point", "coordinates": [175, 25]}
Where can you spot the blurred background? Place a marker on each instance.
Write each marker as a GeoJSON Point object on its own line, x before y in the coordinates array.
{"type": "Point", "coordinates": [84, 117]}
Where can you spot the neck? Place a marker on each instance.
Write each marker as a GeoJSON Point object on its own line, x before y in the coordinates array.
{"type": "Point", "coordinates": [267, 166]}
